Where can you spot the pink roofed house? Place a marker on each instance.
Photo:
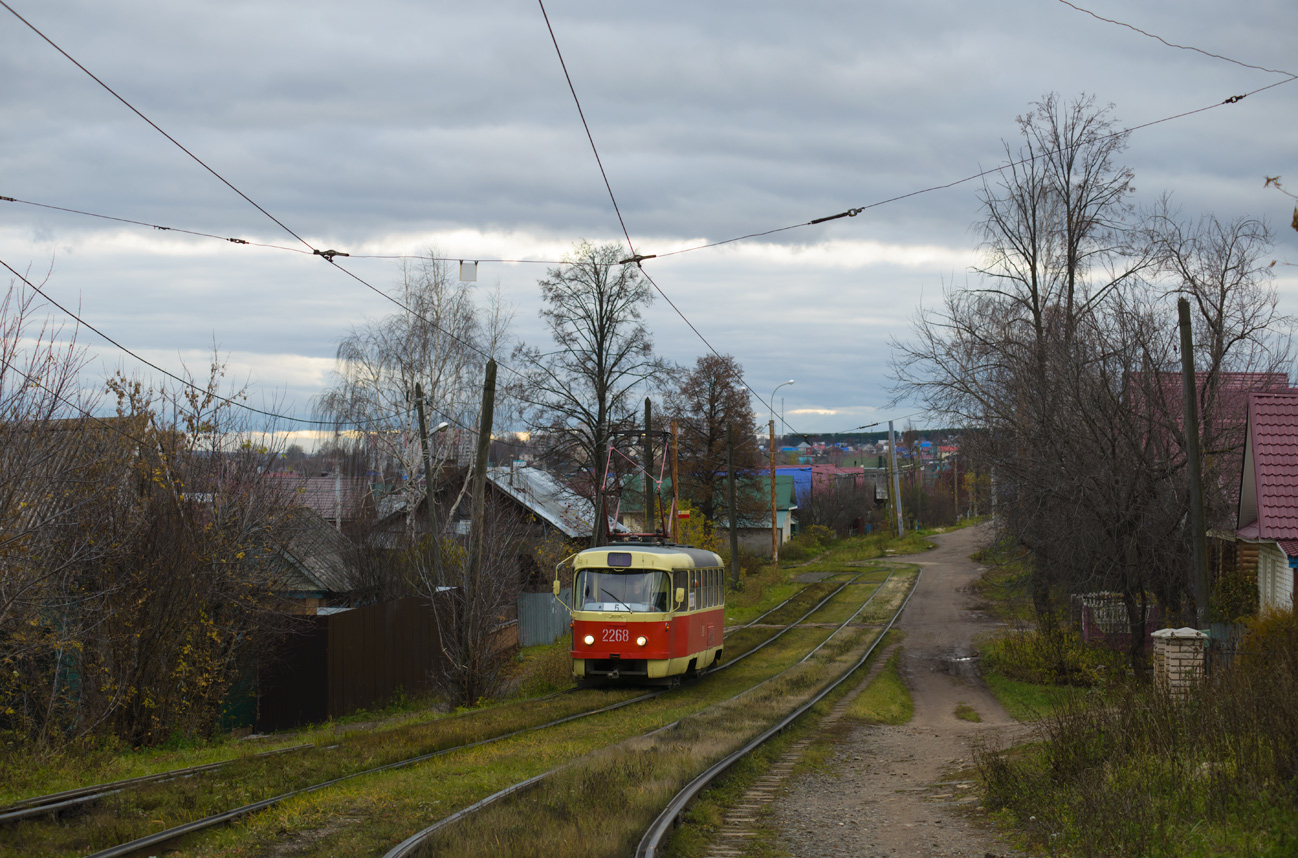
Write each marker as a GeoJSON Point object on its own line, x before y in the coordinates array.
{"type": "Point", "coordinates": [1268, 502]}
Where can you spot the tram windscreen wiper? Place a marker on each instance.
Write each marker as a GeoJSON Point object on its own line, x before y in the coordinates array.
{"type": "Point", "coordinates": [616, 599]}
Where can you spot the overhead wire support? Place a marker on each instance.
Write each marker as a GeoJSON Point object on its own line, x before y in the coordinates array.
{"type": "Point", "coordinates": [245, 241]}
{"type": "Point", "coordinates": [848, 213]}
{"type": "Point", "coordinates": [156, 226]}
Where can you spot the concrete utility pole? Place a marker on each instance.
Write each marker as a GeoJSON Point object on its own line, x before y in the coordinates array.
{"type": "Point", "coordinates": [734, 507]}
{"type": "Point", "coordinates": [649, 525]}
{"type": "Point", "coordinates": [1199, 545]}
{"type": "Point", "coordinates": [775, 530]}
{"type": "Point", "coordinates": [896, 481]}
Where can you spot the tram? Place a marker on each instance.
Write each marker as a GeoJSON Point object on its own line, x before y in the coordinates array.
{"type": "Point", "coordinates": [645, 613]}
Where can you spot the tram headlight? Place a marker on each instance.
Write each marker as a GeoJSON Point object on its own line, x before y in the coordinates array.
{"type": "Point", "coordinates": [589, 640]}
{"type": "Point", "coordinates": [641, 641]}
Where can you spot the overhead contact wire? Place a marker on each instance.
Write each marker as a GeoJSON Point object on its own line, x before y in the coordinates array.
{"type": "Point", "coordinates": [187, 383]}
{"type": "Point", "coordinates": [154, 125]}
{"type": "Point", "coordinates": [1173, 44]}
{"type": "Point", "coordinates": [586, 125]}
{"type": "Point", "coordinates": [1234, 99]}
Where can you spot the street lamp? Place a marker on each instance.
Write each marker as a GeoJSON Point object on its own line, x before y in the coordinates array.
{"type": "Point", "coordinates": [773, 392]}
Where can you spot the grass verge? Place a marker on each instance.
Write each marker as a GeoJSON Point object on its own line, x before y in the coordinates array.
{"type": "Point", "coordinates": [886, 700]}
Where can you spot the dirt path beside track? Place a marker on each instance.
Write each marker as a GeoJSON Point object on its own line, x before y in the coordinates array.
{"type": "Point", "coordinates": [897, 791]}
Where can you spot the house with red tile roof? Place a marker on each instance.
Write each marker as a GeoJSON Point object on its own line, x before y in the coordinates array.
{"type": "Point", "coordinates": [1223, 408]}
{"type": "Point", "coordinates": [1267, 524]}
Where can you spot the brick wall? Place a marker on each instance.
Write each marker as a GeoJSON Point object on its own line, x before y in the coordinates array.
{"type": "Point", "coordinates": [1178, 660]}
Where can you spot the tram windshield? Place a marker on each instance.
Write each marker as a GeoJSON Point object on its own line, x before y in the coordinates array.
{"type": "Point", "coordinates": [599, 590]}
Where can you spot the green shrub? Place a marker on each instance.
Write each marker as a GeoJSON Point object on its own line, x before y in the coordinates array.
{"type": "Point", "coordinates": [807, 543]}
{"type": "Point", "coordinates": [1057, 657]}
{"type": "Point", "coordinates": [1208, 773]}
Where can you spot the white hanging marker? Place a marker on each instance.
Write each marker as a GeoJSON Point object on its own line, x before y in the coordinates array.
{"type": "Point", "coordinates": [468, 272]}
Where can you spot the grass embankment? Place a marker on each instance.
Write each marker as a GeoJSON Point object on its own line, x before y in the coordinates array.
{"type": "Point", "coordinates": [600, 806]}
{"type": "Point", "coordinates": [415, 728]}
{"type": "Point", "coordinates": [885, 700]}
{"type": "Point", "coordinates": [595, 806]}
{"type": "Point", "coordinates": [1212, 774]}
{"type": "Point", "coordinates": [1126, 769]}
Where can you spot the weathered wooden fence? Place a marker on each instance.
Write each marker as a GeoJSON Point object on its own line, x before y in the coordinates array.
{"type": "Point", "coordinates": [348, 661]}
{"type": "Point", "coordinates": [542, 620]}
{"type": "Point", "coordinates": [378, 649]}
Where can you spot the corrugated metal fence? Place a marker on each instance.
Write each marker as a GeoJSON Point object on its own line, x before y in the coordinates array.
{"type": "Point", "coordinates": [542, 620]}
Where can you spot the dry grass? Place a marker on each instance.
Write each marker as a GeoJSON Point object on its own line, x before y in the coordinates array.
{"type": "Point", "coordinates": [1213, 774]}
{"type": "Point", "coordinates": [392, 804]}
{"type": "Point", "coordinates": [601, 805]}
{"type": "Point", "coordinates": [886, 700]}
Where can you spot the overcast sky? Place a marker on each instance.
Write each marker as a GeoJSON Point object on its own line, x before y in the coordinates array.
{"type": "Point", "coordinates": [390, 128]}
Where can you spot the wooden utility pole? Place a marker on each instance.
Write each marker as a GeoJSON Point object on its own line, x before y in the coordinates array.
{"type": "Point", "coordinates": [429, 486]}
{"type": "Point", "coordinates": [955, 483]}
{"type": "Point", "coordinates": [471, 617]}
{"type": "Point", "coordinates": [1199, 543]}
{"type": "Point", "coordinates": [775, 530]}
{"type": "Point", "coordinates": [734, 507]}
{"type": "Point", "coordinates": [676, 491]}
{"type": "Point", "coordinates": [896, 481]}
{"type": "Point", "coordinates": [649, 525]}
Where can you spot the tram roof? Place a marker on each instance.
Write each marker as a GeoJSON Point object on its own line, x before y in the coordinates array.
{"type": "Point", "coordinates": [645, 556]}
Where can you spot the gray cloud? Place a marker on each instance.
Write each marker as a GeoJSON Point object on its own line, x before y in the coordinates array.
{"type": "Point", "coordinates": [416, 121]}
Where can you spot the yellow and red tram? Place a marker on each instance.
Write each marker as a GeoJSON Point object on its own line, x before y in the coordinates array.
{"type": "Point", "coordinates": [645, 612]}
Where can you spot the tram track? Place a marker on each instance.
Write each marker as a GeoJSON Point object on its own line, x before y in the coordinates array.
{"type": "Point", "coordinates": [419, 843]}
{"type": "Point", "coordinates": [71, 800]}
{"type": "Point", "coordinates": [48, 806]}
{"type": "Point", "coordinates": [671, 814]}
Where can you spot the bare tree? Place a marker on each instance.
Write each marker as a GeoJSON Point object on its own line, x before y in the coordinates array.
{"type": "Point", "coordinates": [839, 503]}
{"type": "Point", "coordinates": [472, 615]}
{"type": "Point", "coordinates": [712, 397]}
{"type": "Point", "coordinates": [579, 394]}
{"type": "Point", "coordinates": [51, 494]}
{"type": "Point", "coordinates": [1061, 353]}
{"type": "Point", "coordinates": [195, 525]}
{"type": "Point", "coordinates": [441, 343]}
{"type": "Point", "coordinates": [1054, 238]}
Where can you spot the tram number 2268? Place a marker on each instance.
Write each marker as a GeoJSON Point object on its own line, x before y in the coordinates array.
{"type": "Point", "coordinates": [616, 636]}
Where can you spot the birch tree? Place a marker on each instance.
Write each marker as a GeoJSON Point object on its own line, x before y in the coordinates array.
{"type": "Point", "coordinates": [441, 342]}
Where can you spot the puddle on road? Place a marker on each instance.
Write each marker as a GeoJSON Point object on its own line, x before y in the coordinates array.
{"type": "Point", "coordinates": [966, 666]}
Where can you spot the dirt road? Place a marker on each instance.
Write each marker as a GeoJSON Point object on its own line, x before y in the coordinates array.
{"type": "Point", "coordinates": [897, 791]}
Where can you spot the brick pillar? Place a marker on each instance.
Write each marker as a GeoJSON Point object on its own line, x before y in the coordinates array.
{"type": "Point", "coordinates": [1179, 657]}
